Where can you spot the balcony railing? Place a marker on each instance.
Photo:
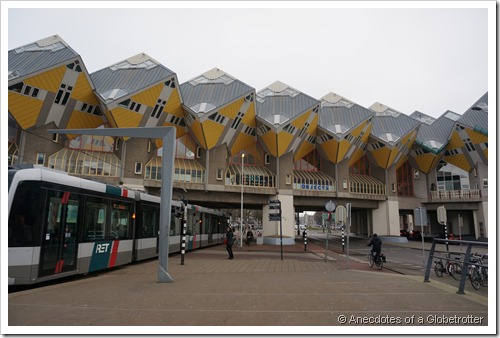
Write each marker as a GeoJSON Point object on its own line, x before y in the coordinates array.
{"type": "Point", "coordinates": [456, 194]}
{"type": "Point", "coordinates": [360, 184]}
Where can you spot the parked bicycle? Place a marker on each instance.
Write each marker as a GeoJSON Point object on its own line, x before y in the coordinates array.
{"type": "Point", "coordinates": [478, 273]}
{"type": "Point", "coordinates": [450, 267]}
{"type": "Point", "coordinates": [377, 260]}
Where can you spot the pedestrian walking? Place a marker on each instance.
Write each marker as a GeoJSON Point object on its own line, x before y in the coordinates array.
{"type": "Point", "coordinates": [229, 242]}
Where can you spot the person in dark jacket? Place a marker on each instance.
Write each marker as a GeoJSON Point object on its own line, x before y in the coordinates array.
{"type": "Point", "coordinates": [376, 245]}
{"type": "Point", "coordinates": [229, 244]}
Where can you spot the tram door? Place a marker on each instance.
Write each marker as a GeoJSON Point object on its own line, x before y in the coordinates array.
{"type": "Point", "coordinates": [59, 242]}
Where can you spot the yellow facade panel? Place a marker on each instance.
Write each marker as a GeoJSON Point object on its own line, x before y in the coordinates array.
{"type": "Point", "coordinates": [242, 141]}
{"type": "Point", "coordinates": [83, 92]}
{"type": "Point", "coordinates": [81, 120]}
{"type": "Point", "coordinates": [232, 109]}
{"type": "Point", "coordinates": [356, 156]}
{"type": "Point", "coordinates": [459, 161]}
{"type": "Point", "coordinates": [249, 118]}
{"type": "Point", "coordinates": [197, 132]}
{"type": "Point", "coordinates": [313, 127]}
{"type": "Point", "coordinates": [110, 119]}
{"type": "Point", "coordinates": [366, 135]}
{"type": "Point", "coordinates": [304, 149]}
{"type": "Point", "coordinates": [212, 131]}
{"type": "Point", "coordinates": [477, 138]}
{"type": "Point", "coordinates": [284, 140]}
{"type": "Point", "coordinates": [125, 118]}
{"type": "Point", "coordinates": [24, 109]}
{"type": "Point", "coordinates": [427, 162]}
{"type": "Point", "coordinates": [301, 120]}
{"type": "Point", "coordinates": [455, 141]}
{"type": "Point", "coordinates": [330, 148]}
{"type": "Point", "coordinates": [49, 81]}
{"type": "Point", "coordinates": [394, 153]}
{"type": "Point", "coordinates": [173, 105]}
{"type": "Point", "coordinates": [343, 148]}
{"type": "Point", "coordinates": [381, 156]}
{"type": "Point", "coordinates": [150, 96]}
{"type": "Point", "coordinates": [269, 140]}
{"type": "Point", "coordinates": [356, 131]}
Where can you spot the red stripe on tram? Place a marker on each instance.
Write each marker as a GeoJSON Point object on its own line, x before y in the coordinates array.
{"type": "Point", "coordinates": [65, 197]}
{"type": "Point", "coordinates": [59, 266]}
{"type": "Point", "coordinates": [114, 253]}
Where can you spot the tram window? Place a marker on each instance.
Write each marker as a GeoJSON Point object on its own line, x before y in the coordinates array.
{"type": "Point", "coordinates": [150, 216]}
{"type": "Point", "coordinates": [95, 219]}
{"type": "Point", "coordinates": [23, 215]}
{"type": "Point", "coordinates": [175, 225]}
{"type": "Point", "coordinates": [120, 221]}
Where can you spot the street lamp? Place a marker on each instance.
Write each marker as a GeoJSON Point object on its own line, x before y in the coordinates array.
{"type": "Point", "coordinates": [241, 181]}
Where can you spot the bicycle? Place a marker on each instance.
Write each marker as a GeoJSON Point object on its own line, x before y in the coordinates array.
{"type": "Point", "coordinates": [379, 263]}
{"type": "Point", "coordinates": [478, 274]}
{"type": "Point", "coordinates": [452, 268]}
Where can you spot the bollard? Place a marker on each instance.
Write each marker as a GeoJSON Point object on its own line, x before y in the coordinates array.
{"type": "Point", "coordinates": [342, 239]}
{"type": "Point", "coordinates": [305, 240]}
{"type": "Point", "coordinates": [446, 237]}
{"type": "Point", "coordinates": [183, 244]}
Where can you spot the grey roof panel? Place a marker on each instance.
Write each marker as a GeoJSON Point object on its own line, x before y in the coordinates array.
{"type": "Point", "coordinates": [390, 125]}
{"type": "Point", "coordinates": [131, 79]}
{"type": "Point", "coordinates": [477, 115]}
{"type": "Point", "coordinates": [40, 55]}
{"type": "Point", "coordinates": [283, 100]}
{"type": "Point", "coordinates": [212, 90]}
{"type": "Point", "coordinates": [419, 116]}
{"type": "Point", "coordinates": [434, 137]}
{"type": "Point", "coordinates": [347, 117]}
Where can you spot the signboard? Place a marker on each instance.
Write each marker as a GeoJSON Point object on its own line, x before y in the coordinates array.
{"type": "Point", "coordinates": [420, 215]}
{"type": "Point", "coordinates": [441, 214]}
{"type": "Point", "coordinates": [341, 214]}
{"type": "Point", "coordinates": [330, 206]}
{"type": "Point", "coordinates": [274, 210]}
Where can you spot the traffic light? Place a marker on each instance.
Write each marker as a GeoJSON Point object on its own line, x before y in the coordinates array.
{"type": "Point", "coordinates": [274, 210]}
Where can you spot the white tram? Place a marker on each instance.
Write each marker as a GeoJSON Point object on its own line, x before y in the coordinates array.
{"type": "Point", "coordinates": [61, 225]}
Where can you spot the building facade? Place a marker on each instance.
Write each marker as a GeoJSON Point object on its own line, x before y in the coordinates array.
{"type": "Point", "coordinates": [238, 146]}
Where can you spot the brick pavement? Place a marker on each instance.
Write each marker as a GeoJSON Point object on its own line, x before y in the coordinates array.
{"type": "Point", "coordinates": [257, 292]}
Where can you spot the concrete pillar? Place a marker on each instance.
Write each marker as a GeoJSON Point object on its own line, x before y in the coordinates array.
{"type": "Point", "coordinates": [271, 230]}
{"type": "Point", "coordinates": [386, 218]}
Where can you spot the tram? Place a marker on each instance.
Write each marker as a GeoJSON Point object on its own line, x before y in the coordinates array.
{"type": "Point", "coordinates": [61, 225]}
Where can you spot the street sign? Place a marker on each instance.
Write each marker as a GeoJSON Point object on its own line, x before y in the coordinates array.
{"type": "Point", "coordinates": [274, 210]}
{"type": "Point", "coordinates": [441, 214]}
{"type": "Point", "coordinates": [330, 206]}
{"type": "Point", "coordinates": [420, 215]}
{"type": "Point", "coordinates": [341, 214]}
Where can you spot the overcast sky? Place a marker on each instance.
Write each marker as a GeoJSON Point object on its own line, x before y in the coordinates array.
{"type": "Point", "coordinates": [409, 59]}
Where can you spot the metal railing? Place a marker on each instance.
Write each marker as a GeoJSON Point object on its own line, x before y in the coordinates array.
{"type": "Point", "coordinates": [456, 194]}
{"type": "Point", "coordinates": [466, 262]}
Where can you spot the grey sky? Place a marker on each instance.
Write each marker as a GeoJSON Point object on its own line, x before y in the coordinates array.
{"type": "Point", "coordinates": [424, 59]}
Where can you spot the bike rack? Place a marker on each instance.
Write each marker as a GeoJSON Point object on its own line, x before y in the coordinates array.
{"type": "Point", "coordinates": [466, 261]}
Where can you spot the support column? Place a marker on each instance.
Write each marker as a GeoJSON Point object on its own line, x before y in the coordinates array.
{"type": "Point", "coordinates": [386, 218]}
{"type": "Point", "coordinates": [271, 230]}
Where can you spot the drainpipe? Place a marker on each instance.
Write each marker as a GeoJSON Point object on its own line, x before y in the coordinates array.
{"type": "Point", "coordinates": [22, 145]}
{"type": "Point", "coordinates": [207, 168]}
{"type": "Point", "coordinates": [124, 152]}
{"type": "Point", "coordinates": [277, 168]}
{"type": "Point", "coordinates": [387, 198]}
{"type": "Point", "coordinates": [336, 179]}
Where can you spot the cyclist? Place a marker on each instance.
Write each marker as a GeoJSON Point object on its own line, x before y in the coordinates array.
{"type": "Point", "coordinates": [376, 245]}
